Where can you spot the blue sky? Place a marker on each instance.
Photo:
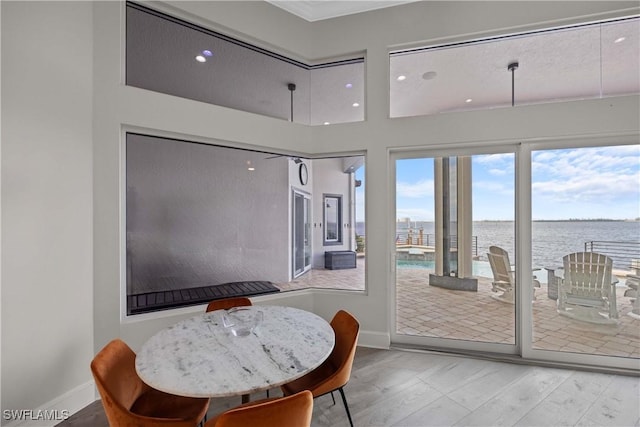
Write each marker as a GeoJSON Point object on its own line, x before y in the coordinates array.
{"type": "Point", "coordinates": [585, 183]}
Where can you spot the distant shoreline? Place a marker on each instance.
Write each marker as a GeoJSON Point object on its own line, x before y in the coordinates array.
{"type": "Point", "coordinates": [542, 220]}
{"type": "Point", "coordinates": [570, 220]}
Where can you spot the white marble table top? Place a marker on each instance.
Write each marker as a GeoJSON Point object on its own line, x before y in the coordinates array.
{"type": "Point", "coordinates": [199, 357]}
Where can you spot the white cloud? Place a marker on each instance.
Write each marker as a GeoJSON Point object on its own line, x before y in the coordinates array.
{"type": "Point", "coordinates": [491, 159]}
{"type": "Point", "coordinates": [423, 188]}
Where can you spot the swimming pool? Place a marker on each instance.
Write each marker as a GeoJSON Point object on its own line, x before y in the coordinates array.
{"type": "Point", "coordinates": [479, 268]}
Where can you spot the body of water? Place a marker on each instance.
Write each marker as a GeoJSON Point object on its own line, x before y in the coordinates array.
{"type": "Point", "coordinates": [551, 240]}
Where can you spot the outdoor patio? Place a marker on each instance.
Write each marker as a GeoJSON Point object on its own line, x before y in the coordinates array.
{"type": "Point", "coordinates": [429, 311]}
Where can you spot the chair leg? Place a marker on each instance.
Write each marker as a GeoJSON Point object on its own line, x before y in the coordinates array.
{"type": "Point", "coordinates": [333, 398]}
{"type": "Point", "coordinates": [344, 400]}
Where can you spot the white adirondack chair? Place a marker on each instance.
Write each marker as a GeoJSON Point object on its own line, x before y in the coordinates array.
{"type": "Point", "coordinates": [587, 292]}
{"type": "Point", "coordinates": [504, 281]}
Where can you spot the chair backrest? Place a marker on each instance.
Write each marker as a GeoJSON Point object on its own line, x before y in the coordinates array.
{"type": "Point", "coordinates": [291, 411]}
{"type": "Point", "coordinates": [346, 329]}
{"type": "Point", "coordinates": [114, 371]}
{"type": "Point", "coordinates": [586, 273]}
{"type": "Point", "coordinates": [499, 261]}
{"type": "Point", "coordinates": [224, 304]}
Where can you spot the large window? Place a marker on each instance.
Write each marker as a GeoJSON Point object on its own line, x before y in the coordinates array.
{"type": "Point", "coordinates": [204, 221]}
{"type": "Point", "coordinates": [169, 55]}
{"type": "Point", "coordinates": [580, 62]}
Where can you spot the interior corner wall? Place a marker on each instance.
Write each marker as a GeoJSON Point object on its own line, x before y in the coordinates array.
{"type": "Point", "coordinates": [47, 286]}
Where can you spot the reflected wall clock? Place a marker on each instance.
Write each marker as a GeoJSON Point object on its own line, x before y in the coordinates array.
{"type": "Point", "coordinates": [303, 174]}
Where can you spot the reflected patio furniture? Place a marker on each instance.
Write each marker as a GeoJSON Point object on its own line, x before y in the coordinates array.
{"type": "Point", "coordinates": [588, 292]}
{"type": "Point", "coordinates": [504, 276]}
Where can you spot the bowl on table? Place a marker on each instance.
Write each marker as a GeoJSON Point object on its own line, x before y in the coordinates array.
{"type": "Point", "coordinates": [241, 321]}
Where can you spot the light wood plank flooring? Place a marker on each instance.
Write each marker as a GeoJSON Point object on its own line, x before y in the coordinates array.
{"type": "Point", "coordinates": [402, 388]}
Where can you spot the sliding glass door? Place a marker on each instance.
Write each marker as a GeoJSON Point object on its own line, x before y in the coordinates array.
{"type": "Point", "coordinates": [301, 248]}
{"type": "Point", "coordinates": [585, 235]}
{"type": "Point", "coordinates": [451, 210]}
{"type": "Point", "coordinates": [531, 249]}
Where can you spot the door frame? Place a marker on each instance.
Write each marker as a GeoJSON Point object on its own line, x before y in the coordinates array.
{"type": "Point", "coordinates": [446, 343]}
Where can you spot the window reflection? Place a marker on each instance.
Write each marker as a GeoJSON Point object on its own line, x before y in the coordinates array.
{"type": "Point", "coordinates": [175, 57]}
{"type": "Point", "coordinates": [201, 216]}
{"type": "Point", "coordinates": [587, 61]}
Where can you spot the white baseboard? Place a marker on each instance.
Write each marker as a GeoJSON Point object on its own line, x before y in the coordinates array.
{"type": "Point", "coordinates": [55, 411]}
{"type": "Point", "coordinates": [374, 339]}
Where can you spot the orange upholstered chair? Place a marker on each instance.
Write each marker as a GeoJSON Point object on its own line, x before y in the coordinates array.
{"type": "Point", "coordinates": [334, 373]}
{"type": "Point", "coordinates": [224, 304]}
{"type": "Point", "coordinates": [290, 411]}
{"type": "Point", "coordinates": [128, 401]}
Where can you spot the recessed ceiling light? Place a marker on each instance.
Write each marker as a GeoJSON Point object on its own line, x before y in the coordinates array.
{"type": "Point", "coordinates": [355, 104]}
{"type": "Point", "coordinates": [429, 75]}
{"type": "Point", "coordinates": [207, 52]}
{"type": "Point", "coordinates": [401, 78]}
{"type": "Point", "coordinates": [468, 100]}
{"type": "Point", "coordinates": [326, 123]}
{"type": "Point", "coordinates": [201, 58]}
{"type": "Point", "coordinates": [619, 39]}
{"type": "Point", "coordinates": [348, 85]}
{"type": "Point", "coordinates": [251, 168]}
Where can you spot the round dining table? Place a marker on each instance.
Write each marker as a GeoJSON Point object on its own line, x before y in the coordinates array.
{"type": "Point", "coordinates": [200, 357]}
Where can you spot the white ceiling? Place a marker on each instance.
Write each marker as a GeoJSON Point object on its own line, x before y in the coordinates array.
{"type": "Point", "coordinates": [316, 10]}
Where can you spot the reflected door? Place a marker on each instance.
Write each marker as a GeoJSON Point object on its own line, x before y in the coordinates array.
{"type": "Point", "coordinates": [301, 233]}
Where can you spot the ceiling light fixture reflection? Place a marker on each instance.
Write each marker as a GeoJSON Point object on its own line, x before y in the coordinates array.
{"type": "Point", "coordinates": [249, 166]}
{"type": "Point", "coordinates": [201, 58]}
{"type": "Point", "coordinates": [401, 78]}
{"type": "Point", "coordinates": [429, 75]}
{"type": "Point", "coordinates": [326, 123]}
{"type": "Point", "coordinates": [355, 104]}
{"type": "Point", "coordinates": [348, 85]}
{"type": "Point", "coordinates": [619, 39]}
{"type": "Point", "coordinates": [207, 53]}
{"type": "Point", "coordinates": [468, 100]}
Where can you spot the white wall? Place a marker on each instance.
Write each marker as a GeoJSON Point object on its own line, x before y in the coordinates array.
{"type": "Point", "coordinates": [47, 310]}
{"type": "Point", "coordinates": [48, 113]}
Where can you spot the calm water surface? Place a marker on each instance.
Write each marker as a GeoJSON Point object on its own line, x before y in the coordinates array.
{"type": "Point", "coordinates": [550, 240]}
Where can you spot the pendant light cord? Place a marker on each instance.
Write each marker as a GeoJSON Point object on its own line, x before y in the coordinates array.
{"type": "Point", "coordinates": [291, 87]}
{"type": "Point", "coordinates": [513, 67]}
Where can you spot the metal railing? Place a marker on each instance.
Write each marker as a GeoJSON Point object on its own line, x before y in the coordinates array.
{"type": "Point", "coordinates": [409, 237]}
{"type": "Point", "coordinates": [623, 253]}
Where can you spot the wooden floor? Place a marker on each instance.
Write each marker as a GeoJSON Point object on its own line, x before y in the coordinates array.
{"type": "Point", "coordinates": [402, 388]}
